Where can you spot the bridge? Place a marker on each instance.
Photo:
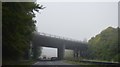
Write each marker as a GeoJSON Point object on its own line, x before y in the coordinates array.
{"type": "Point", "coordinates": [61, 43]}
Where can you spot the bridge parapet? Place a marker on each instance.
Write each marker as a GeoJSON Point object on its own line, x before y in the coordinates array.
{"type": "Point", "coordinates": [56, 36]}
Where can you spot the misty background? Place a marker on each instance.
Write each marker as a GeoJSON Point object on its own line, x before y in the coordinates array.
{"type": "Point", "coordinates": [76, 20]}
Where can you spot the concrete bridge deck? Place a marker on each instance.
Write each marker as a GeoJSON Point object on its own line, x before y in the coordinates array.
{"type": "Point", "coordinates": [56, 41]}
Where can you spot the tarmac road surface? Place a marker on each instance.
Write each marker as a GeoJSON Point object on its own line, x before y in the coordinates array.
{"type": "Point", "coordinates": [52, 63]}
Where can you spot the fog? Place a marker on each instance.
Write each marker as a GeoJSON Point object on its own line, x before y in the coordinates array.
{"type": "Point", "coordinates": [76, 20]}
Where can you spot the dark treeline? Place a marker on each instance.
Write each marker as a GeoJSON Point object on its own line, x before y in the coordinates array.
{"type": "Point", "coordinates": [105, 46]}
{"type": "Point", "coordinates": [17, 28]}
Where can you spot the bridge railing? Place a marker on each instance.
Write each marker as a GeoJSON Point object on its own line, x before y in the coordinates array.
{"type": "Point", "coordinates": [56, 36]}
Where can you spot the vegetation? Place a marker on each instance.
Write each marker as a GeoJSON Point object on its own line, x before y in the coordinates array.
{"type": "Point", "coordinates": [104, 46]}
{"type": "Point", "coordinates": [17, 28]}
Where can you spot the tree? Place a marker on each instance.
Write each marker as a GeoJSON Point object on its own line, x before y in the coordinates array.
{"type": "Point", "coordinates": [17, 28]}
{"type": "Point", "coordinates": [104, 46]}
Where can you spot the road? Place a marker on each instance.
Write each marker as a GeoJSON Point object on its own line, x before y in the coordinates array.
{"type": "Point", "coordinates": [52, 63]}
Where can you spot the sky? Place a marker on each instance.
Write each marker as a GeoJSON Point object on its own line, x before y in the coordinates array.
{"type": "Point", "coordinates": [76, 20]}
{"type": "Point", "coordinates": [60, 0]}
{"type": "Point", "coordinates": [77, 0]}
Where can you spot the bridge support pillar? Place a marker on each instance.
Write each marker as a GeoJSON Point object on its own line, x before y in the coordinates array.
{"type": "Point", "coordinates": [61, 50]}
{"type": "Point", "coordinates": [34, 51]}
{"type": "Point", "coordinates": [76, 53]}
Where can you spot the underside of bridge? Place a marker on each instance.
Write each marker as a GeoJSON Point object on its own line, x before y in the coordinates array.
{"type": "Point", "coordinates": [60, 44]}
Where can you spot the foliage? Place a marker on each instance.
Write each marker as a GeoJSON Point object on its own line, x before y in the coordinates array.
{"type": "Point", "coordinates": [104, 46]}
{"type": "Point", "coordinates": [17, 28]}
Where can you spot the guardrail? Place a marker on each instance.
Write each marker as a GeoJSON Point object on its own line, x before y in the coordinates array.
{"type": "Point", "coordinates": [99, 62]}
